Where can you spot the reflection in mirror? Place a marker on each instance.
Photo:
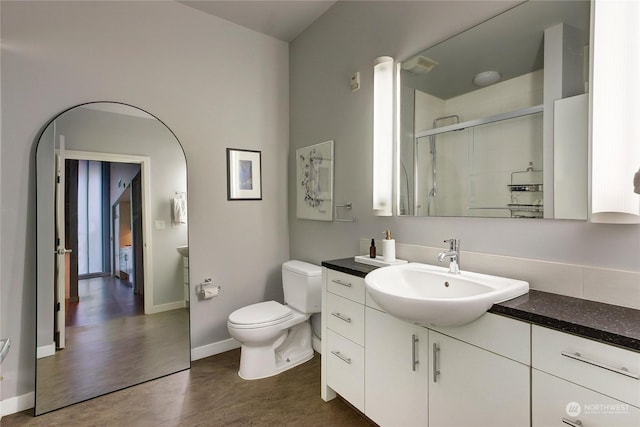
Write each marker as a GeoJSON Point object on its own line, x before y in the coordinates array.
{"type": "Point", "coordinates": [493, 122]}
{"type": "Point", "coordinates": [112, 293]}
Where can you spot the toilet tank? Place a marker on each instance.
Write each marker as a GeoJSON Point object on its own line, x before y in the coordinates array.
{"type": "Point", "coordinates": [302, 286]}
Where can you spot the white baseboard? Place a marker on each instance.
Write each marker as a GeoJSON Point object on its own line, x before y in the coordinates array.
{"type": "Point", "coordinates": [46, 351]}
{"type": "Point", "coordinates": [166, 307]}
{"type": "Point", "coordinates": [17, 404]}
{"type": "Point", "coordinates": [214, 348]}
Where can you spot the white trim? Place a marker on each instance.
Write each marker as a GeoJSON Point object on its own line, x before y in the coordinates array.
{"type": "Point", "coordinates": [145, 172]}
{"type": "Point", "coordinates": [214, 348]}
{"type": "Point", "coordinates": [165, 307]}
{"type": "Point", "coordinates": [17, 404]}
{"type": "Point", "coordinates": [46, 350]}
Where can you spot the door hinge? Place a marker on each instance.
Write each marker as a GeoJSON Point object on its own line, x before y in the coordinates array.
{"type": "Point", "coordinates": [57, 306]}
{"type": "Point", "coordinates": [57, 241]}
{"type": "Point", "coordinates": [58, 179]}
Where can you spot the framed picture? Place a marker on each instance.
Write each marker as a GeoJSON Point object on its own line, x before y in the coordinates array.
{"type": "Point", "coordinates": [314, 182]}
{"type": "Point", "coordinates": [244, 174]}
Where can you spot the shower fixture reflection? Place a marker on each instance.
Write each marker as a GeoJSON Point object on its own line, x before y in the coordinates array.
{"type": "Point", "coordinates": [432, 209]}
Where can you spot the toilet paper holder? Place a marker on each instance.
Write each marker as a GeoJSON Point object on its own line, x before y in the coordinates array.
{"type": "Point", "coordinates": [208, 289]}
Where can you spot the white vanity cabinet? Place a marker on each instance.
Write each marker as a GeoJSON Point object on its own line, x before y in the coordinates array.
{"type": "Point", "coordinates": [343, 355]}
{"type": "Point", "coordinates": [396, 371]}
{"type": "Point", "coordinates": [577, 381]}
{"type": "Point", "coordinates": [558, 402]}
{"type": "Point", "coordinates": [384, 366]}
{"type": "Point", "coordinates": [479, 374]}
{"type": "Point", "coordinates": [495, 371]}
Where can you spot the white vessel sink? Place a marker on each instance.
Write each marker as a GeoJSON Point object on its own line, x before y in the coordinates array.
{"type": "Point", "coordinates": [183, 250]}
{"type": "Point", "coordinates": [429, 295]}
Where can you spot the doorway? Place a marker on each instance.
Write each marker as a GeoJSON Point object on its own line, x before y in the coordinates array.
{"type": "Point", "coordinates": [103, 227]}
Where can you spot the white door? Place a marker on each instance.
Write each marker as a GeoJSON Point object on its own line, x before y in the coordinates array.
{"type": "Point", "coordinates": [396, 371]}
{"type": "Point", "coordinates": [60, 246]}
{"type": "Point", "coordinates": [472, 386]}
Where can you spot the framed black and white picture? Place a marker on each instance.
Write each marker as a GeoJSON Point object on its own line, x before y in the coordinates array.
{"type": "Point", "coordinates": [314, 175]}
{"type": "Point", "coordinates": [244, 174]}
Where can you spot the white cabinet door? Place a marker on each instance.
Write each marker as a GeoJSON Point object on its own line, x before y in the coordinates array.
{"type": "Point", "coordinates": [557, 402]}
{"type": "Point", "coordinates": [472, 386]}
{"type": "Point", "coordinates": [396, 371]}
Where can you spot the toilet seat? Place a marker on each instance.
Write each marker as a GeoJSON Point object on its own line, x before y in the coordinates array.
{"type": "Point", "coordinates": [260, 315]}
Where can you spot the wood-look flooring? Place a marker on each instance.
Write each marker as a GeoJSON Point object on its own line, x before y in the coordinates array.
{"type": "Point", "coordinates": [111, 346]}
{"type": "Point", "coordinates": [209, 394]}
{"type": "Point", "coordinates": [103, 298]}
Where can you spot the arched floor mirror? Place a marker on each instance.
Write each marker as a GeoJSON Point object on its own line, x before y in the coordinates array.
{"type": "Point", "coordinates": [112, 288]}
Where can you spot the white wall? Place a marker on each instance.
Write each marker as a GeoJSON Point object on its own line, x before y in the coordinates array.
{"type": "Point", "coordinates": [347, 39]}
{"type": "Point", "coordinates": [215, 84]}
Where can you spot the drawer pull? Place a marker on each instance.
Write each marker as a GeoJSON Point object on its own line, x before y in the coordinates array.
{"type": "Point", "coordinates": [414, 353]}
{"type": "Point", "coordinates": [342, 317]}
{"type": "Point", "coordinates": [576, 423]}
{"type": "Point", "coordinates": [622, 371]}
{"type": "Point", "coordinates": [436, 371]}
{"type": "Point", "coordinates": [340, 282]}
{"type": "Point", "coordinates": [345, 359]}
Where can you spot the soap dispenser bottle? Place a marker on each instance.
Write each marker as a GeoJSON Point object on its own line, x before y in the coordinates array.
{"type": "Point", "coordinates": [388, 247]}
{"type": "Point", "coordinates": [372, 249]}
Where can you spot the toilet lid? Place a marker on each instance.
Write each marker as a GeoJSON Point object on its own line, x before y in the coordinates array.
{"type": "Point", "coordinates": [262, 312]}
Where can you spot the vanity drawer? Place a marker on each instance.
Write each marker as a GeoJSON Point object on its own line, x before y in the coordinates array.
{"type": "Point", "coordinates": [499, 334]}
{"type": "Point", "coordinates": [345, 368]}
{"type": "Point", "coordinates": [346, 285]}
{"type": "Point", "coordinates": [346, 318]}
{"type": "Point", "coordinates": [556, 402]}
{"type": "Point", "coordinates": [607, 369]}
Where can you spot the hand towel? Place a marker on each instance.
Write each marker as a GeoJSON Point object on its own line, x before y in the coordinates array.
{"type": "Point", "coordinates": [180, 210]}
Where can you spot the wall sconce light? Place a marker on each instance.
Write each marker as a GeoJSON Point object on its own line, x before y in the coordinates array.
{"type": "Point", "coordinates": [615, 152]}
{"type": "Point", "coordinates": [383, 135]}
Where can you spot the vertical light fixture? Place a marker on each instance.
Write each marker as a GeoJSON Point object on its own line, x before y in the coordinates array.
{"type": "Point", "coordinates": [383, 136]}
{"type": "Point", "coordinates": [616, 107]}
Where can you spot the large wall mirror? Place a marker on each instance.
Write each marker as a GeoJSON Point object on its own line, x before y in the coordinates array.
{"type": "Point", "coordinates": [112, 286]}
{"type": "Point", "coordinates": [493, 122]}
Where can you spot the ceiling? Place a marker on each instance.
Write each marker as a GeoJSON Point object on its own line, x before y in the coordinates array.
{"type": "Point", "coordinates": [284, 19]}
{"type": "Point", "coordinates": [511, 43]}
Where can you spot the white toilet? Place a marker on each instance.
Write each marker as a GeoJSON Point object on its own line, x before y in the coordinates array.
{"type": "Point", "coordinates": [277, 337]}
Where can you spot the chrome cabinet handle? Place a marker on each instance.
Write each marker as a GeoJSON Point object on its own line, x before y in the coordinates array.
{"type": "Point", "coordinates": [342, 317]}
{"type": "Point", "coordinates": [436, 372]}
{"type": "Point", "coordinates": [340, 282]}
{"type": "Point", "coordinates": [345, 359]}
{"type": "Point", "coordinates": [414, 361]}
{"type": "Point", "coordinates": [622, 371]}
{"type": "Point", "coordinates": [576, 423]}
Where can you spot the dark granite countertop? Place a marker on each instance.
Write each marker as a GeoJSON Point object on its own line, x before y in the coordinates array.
{"type": "Point", "coordinates": [607, 323]}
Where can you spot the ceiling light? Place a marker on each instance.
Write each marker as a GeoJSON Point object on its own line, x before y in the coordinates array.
{"type": "Point", "coordinates": [486, 78]}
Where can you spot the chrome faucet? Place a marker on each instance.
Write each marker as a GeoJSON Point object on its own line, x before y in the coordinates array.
{"type": "Point", "coordinates": [453, 254]}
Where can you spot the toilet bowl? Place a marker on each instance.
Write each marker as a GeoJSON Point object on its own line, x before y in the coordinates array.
{"type": "Point", "coordinates": [276, 337]}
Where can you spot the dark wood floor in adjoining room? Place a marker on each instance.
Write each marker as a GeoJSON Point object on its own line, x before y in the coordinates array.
{"type": "Point", "coordinates": [209, 394]}
{"type": "Point", "coordinates": [103, 298]}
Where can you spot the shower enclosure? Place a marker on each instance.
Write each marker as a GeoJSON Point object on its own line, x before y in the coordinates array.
{"type": "Point", "coordinates": [467, 168]}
